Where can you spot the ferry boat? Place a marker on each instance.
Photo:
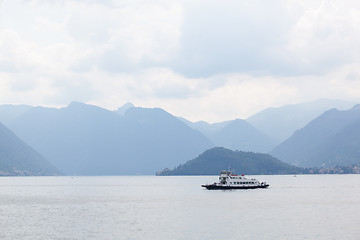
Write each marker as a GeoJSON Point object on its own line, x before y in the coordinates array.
{"type": "Point", "coordinates": [227, 180]}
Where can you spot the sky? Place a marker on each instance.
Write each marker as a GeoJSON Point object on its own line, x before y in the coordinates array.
{"type": "Point", "coordinates": [211, 60]}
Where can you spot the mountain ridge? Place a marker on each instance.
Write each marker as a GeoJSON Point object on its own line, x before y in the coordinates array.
{"type": "Point", "coordinates": [134, 134]}
{"type": "Point", "coordinates": [318, 143]}
{"type": "Point", "coordinates": [83, 139]}
{"type": "Point", "coordinates": [281, 122]}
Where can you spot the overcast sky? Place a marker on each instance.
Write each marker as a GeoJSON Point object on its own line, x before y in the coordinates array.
{"type": "Point", "coordinates": [210, 60]}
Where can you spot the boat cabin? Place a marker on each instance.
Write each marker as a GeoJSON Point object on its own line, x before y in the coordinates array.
{"type": "Point", "coordinates": [227, 178]}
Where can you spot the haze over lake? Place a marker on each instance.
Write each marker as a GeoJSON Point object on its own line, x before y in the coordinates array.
{"type": "Point", "coordinates": [149, 207]}
{"type": "Point", "coordinates": [113, 92]}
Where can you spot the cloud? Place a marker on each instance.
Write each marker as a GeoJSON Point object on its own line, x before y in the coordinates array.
{"type": "Point", "coordinates": [324, 38]}
{"type": "Point", "coordinates": [259, 38]}
{"type": "Point", "coordinates": [288, 38]}
{"type": "Point", "coordinates": [231, 37]}
{"type": "Point", "coordinates": [163, 83]}
{"type": "Point", "coordinates": [211, 60]}
{"type": "Point", "coordinates": [15, 54]}
{"type": "Point", "coordinates": [127, 37]}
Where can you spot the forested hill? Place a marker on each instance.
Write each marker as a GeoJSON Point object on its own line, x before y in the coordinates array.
{"type": "Point", "coordinates": [212, 161]}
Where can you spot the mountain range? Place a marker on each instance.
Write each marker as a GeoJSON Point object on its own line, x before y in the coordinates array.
{"type": "Point", "coordinates": [281, 122]}
{"type": "Point", "coordinates": [235, 134]}
{"type": "Point", "coordinates": [329, 140]}
{"type": "Point", "coordinates": [83, 139]}
{"type": "Point", "coordinates": [267, 129]}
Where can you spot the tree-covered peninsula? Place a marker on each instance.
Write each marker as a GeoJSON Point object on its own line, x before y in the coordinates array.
{"type": "Point", "coordinates": [212, 161]}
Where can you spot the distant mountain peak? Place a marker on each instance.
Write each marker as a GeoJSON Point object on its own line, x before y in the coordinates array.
{"type": "Point", "coordinates": [121, 110]}
{"type": "Point", "coordinates": [356, 107]}
{"type": "Point", "coordinates": [75, 104]}
{"type": "Point", "coordinates": [239, 121]}
{"type": "Point", "coordinates": [128, 105]}
{"type": "Point", "coordinates": [282, 122]}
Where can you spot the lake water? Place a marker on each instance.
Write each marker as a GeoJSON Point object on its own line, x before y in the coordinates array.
{"type": "Point", "coordinates": [150, 207]}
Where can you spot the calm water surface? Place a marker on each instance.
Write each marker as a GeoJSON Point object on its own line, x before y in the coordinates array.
{"type": "Point", "coordinates": [149, 207]}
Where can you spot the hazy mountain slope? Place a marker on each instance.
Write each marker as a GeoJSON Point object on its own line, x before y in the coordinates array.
{"type": "Point", "coordinates": [344, 147]}
{"type": "Point", "coordinates": [65, 136]}
{"type": "Point", "coordinates": [280, 123]}
{"type": "Point", "coordinates": [235, 134]}
{"type": "Point", "coordinates": [329, 140]}
{"type": "Point", "coordinates": [164, 139]}
{"type": "Point", "coordinates": [10, 112]}
{"type": "Point", "coordinates": [212, 161]}
{"type": "Point", "coordinates": [17, 158]}
{"type": "Point", "coordinates": [206, 128]}
{"type": "Point", "coordinates": [240, 135]}
{"type": "Point", "coordinates": [88, 140]}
